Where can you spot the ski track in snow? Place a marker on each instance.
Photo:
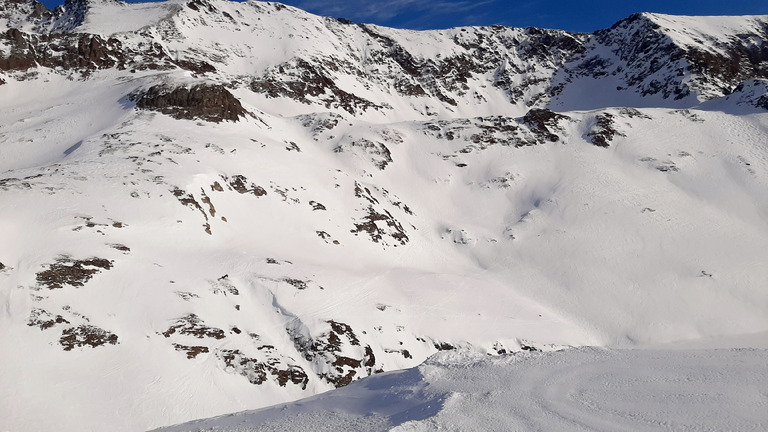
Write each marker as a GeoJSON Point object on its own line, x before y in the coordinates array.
{"type": "Point", "coordinates": [574, 390]}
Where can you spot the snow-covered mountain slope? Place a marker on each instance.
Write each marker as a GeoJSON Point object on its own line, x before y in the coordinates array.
{"type": "Point", "coordinates": [586, 389]}
{"type": "Point", "coordinates": [211, 206]}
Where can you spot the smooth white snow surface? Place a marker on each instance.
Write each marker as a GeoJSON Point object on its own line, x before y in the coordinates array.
{"type": "Point", "coordinates": [585, 389]}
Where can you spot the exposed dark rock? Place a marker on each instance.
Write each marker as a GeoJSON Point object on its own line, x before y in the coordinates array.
{"type": "Point", "coordinates": [380, 225]}
{"type": "Point", "coordinates": [446, 78]}
{"type": "Point", "coordinates": [377, 152]}
{"type": "Point", "coordinates": [632, 113]}
{"type": "Point", "coordinates": [256, 371]}
{"type": "Point", "coordinates": [86, 335]}
{"type": "Point", "coordinates": [301, 80]}
{"type": "Point", "coordinates": [344, 380]}
{"type": "Point", "coordinates": [543, 121]}
{"type": "Point", "coordinates": [209, 102]}
{"type": "Point", "coordinates": [297, 283]}
{"type": "Point", "coordinates": [18, 183]}
{"type": "Point", "coordinates": [224, 286]}
{"type": "Point", "coordinates": [346, 361]}
{"type": "Point", "coordinates": [81, 53]}
{"type": "Point", "coordinates": [326, 348]}
{"type": "Point", "coordinates": [495, 130]}
{"type": "Point", "coordinates": [192, 325]}
{"type": "Point", "coordinates": [320, 122]}
{"type": "Point", "coordinates": [44, 319]}
{"type": "Point", "coordinates": [751, 93]}
{"type": "Point", "coordinates": [192, 351]}
{"type": "Point", "coordinates": [29, 9]}
{"type": "Point", "coordinates": [188, 200]}
{"type": "Point", "coordinates": [762, 102]}
{"type": "Point", "coordinates": [651, 60]}
{"type": "Point", "coordinates": [688, 114]}
{"type": "Point", "coordinates": [206, 200]}
{"type": "Point", "coordinates": [344, 329]}
{"type": "Point", "coordinates": [365, 193]}
{"type": "Point", "coordinates": [293, 374]}
{"type": "Point", "coordinates": [186, 296]}
{"type": "Point", "coordinates": [603, 132]}
{"type": "Point", "coordinates": [66, 271]}
{"type": "Point", "coordinates": [654, 64]}
{"type": "Point", "coordinates": [443, 346]}
{"type": "Point", "coordinates": [403, 352]}
{"type": "Point", "coordinates": [483, 132]}
{"type": "Point", "coordinates": [198, 67]}
{"type": "Point", "coordinates": [241, 184]}
{"type": "Point", "coordinates": [316, 205]}
{"type": "Point", "coordinates": [369, 358]}
{"type": "Point", "coordinates": [326, 237]}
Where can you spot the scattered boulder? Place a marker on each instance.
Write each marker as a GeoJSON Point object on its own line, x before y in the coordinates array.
{"type": "Point", "coordinates": [543, 121]}
{"type": "Point", "coordinates": [241, 184]}
{"type": "Point", "coordinates": [191, 351]}
{"type": "Point", "coordinates": [86, 335]}
{"type": "Point", "coordinates": [603, 132]}
{"type": "Point", "coordinates": [66, 271]}
{"type": "Point", "coordinates": [377, 152]}
{"type": "Point", "coordinates": [192, 325]}
{"type": "Point", "coordinates": [44, 319]}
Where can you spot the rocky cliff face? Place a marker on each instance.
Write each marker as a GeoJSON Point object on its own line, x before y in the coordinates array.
{"type": "Point", "coordinates": [645, 54]}
{"type": "Point", "coordinates": [247, 204]}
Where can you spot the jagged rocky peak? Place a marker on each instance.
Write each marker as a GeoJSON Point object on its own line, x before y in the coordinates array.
{"type": "Point", "coordinates": [73, 13]}
{"type": "Point", "coordinates": [31, 16]}
{"type": "Point", "coordinates": [677, 61]}
{"type": "Point", "coordinates": [22, 13]}
{"type": "Point", "coordinates": [31, 8]}
{"type": "Point", "coordinates": [750, 93]}
{"type": "Point", "coordinates": [663, 60]}
{"type": "Point", "coordinates": [683, 47]}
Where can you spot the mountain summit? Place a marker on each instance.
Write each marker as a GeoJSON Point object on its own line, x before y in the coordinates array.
{"type": "Point", "coordinates": [210, 206]}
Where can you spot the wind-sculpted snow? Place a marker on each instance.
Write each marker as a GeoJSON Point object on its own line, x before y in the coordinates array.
{"type": "Point", "coordinates": [585, 389]}
{"type": "Point", "coordinates": [216, 206]}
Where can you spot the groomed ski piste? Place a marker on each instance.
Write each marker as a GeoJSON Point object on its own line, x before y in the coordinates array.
{"type": "Point", "coordinates": [467, 229]}
{"type": "Point", "coordinates": [580, 389]}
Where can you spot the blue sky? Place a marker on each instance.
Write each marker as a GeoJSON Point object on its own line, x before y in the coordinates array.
{"type": "Point", "coordinates": [584, 16]}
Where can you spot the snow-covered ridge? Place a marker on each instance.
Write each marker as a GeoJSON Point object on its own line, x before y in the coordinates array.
{"type": "Point", "coordinates": [268, 47]}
